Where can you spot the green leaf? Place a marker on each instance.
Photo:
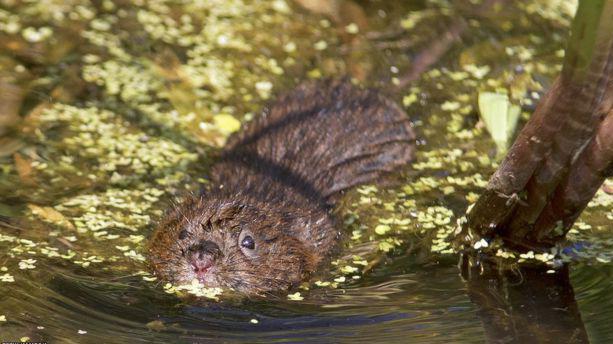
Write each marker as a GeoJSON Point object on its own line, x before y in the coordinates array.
{"type": "Point", "coordinates": [382, 229]}
{"type": "Point", "coordinates": [500, 118]}
{"type": "Point", "coordinates": [227, 124]}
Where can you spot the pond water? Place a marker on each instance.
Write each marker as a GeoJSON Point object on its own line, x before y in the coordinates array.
{"type": "Point", "coordinates": [111, 110]}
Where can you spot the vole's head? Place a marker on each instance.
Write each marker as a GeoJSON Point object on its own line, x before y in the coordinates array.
{"type": "Point", "coordinates": [229, 245]}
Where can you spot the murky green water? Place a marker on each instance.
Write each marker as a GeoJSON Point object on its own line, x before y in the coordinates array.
{"type": "Point", "coordinates": [111, 110]}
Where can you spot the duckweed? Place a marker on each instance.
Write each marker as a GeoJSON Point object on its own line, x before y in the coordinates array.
{"type": "Point", "coordinates": [295, 297]}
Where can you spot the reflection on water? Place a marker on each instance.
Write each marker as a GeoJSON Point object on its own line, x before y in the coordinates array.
{"type": "Point", "coordinates": [531, 304]}
{"type": "Point", "coordinates": [109, 109]}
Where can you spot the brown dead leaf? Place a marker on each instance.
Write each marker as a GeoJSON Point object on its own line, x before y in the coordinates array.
{"type": "Point", "coordinates": [24, 168]}
{"type": "Point", "coordinates": [50, 215]}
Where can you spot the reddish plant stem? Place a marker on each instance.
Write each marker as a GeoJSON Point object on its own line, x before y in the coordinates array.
{"type": "Point", "coordinates": [561, 156]}
{"type": "Point", "coordinates": [586, 175]}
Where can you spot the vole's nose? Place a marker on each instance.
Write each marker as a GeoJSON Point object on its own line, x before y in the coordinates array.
{"type": "Point", "coordinates": [202, 258]}
{"type": "Point", "coordinates": [205, 248]}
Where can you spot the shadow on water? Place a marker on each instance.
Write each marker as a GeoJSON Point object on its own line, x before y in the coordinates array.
{"type": "Point", "coordinates": [531, 304]}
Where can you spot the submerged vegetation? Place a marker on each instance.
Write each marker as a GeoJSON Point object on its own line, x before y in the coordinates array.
{"type": "Point", "coordinates": [110, 109]}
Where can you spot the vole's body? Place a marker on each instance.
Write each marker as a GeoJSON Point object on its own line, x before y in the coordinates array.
{"type": "Point", "coordinates": [267, 223]}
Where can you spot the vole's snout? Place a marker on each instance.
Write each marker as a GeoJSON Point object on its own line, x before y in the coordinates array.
{"type": "Point", "coordinates": [205, 247]}
{"type": "Point", "coordinates": [202, 257]}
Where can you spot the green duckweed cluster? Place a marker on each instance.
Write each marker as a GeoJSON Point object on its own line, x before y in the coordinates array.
{"type": "Point", "coordinates": [109, 145]}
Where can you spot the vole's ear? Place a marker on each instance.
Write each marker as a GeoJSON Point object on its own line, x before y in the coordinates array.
{"type": "Point", "coordinates": [227, 211]}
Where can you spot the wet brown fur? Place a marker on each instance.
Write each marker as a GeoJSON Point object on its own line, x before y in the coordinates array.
{"type": "Point", "coordinates": [278, 179]}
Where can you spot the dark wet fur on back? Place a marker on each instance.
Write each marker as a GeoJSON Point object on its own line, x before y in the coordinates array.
{"type": "Point", "coordinates": [277, 182]}
{"type": "Point", "coordinates": [331, 135]}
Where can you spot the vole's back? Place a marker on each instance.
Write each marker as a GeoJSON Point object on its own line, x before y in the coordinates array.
{"type": "Point", "coordinates": [318, 140]}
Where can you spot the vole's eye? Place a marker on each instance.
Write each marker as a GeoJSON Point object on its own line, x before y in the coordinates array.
{"type": "Point", "coordinates": [183, 234]}
{"type": "Point", "coordinates": [248, 242]}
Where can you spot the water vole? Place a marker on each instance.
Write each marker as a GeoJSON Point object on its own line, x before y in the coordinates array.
{"type": "Point", "coordinates": [267, 222]}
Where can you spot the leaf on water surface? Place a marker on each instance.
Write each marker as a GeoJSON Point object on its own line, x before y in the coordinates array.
{"type": "Point", "coordinates": [382, 229]}
{"type": "Point", "coordinates": [50, 215]}
{"type": "Point", "coordinates": [227, 124]}
{"type": "Point", "coordinates": [24, 168]}
{"type": "Point", "coordinates": [500, 118]}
